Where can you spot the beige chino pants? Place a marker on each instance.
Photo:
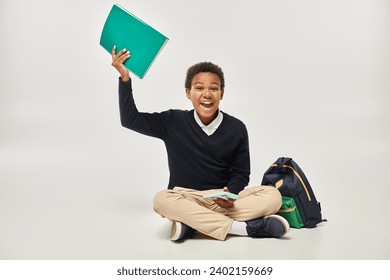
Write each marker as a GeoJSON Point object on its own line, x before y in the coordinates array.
{"type": "Point", "coordinates": [189, 207]}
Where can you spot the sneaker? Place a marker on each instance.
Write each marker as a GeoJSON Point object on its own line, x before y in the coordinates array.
{"type": "Point", "coordinates": [271, 226]}
{"type": "Point", "coordinates": [180, 231]}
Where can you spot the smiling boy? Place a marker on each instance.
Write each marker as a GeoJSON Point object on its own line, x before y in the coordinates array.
{"type": "Point", "coordinates": [205, 93]}
{"type": "Point", "coordinates": [208, 152]}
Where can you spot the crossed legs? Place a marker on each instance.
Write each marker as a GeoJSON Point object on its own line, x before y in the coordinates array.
{"type": "Point", "coordinates": [188, 206]}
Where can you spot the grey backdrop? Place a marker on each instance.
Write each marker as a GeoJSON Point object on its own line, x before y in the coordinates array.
{"type": "Point", "coordinates": [309, 78]}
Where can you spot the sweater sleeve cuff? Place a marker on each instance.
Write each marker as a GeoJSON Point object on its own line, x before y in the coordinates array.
{"type": "Point", "coordinates": [125, 86]}
{"type": "Point", "coordinates": [235, 189]}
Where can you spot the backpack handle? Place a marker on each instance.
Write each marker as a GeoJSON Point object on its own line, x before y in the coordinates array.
{"type": "Point", "coordinates": [282, 161]}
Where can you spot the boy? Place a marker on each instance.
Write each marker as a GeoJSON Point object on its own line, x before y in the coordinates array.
{"type": "Point", "coordinates": [208, 152]}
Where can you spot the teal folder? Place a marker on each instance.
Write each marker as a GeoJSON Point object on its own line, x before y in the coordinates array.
{"type": "Point", "coordinates": [124, 30]}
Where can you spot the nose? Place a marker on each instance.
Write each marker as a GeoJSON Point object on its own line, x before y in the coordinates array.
{"type": "Point", "coordinates": [207, 93]}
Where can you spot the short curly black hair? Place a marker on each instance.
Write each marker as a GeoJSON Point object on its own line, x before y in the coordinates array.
{"type": "Point", "coordinates": [204, 67]}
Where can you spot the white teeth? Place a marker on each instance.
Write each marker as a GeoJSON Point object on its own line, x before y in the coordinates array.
{"type": "Point", "coordinates": [207, 102]}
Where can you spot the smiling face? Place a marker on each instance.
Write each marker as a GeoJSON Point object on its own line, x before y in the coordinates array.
{"type": "Point", "coordinates": [205, 94]}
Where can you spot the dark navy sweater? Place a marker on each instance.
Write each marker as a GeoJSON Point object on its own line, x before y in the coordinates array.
{"type": "Point", "coordinates": [195, 160]}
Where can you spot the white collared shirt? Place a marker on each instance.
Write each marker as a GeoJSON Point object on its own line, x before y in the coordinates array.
{"type": "Point", "coordinates": [213, 126]}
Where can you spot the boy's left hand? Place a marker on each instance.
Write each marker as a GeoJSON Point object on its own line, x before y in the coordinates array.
{"type": "Point", "coordinates": [229, 203]}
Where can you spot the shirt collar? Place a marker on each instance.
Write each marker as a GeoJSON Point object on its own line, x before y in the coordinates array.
{"type": "Point", "coordinates": [214, 124]}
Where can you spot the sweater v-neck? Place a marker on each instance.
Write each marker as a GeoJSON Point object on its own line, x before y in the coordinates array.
{"type": "Point", "coordinates": [200, 131]}
{"type": "Point", "coordinates": [212, 126]}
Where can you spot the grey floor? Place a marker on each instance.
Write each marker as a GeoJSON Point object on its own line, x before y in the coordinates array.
{"type": "Point", "coordinates": [62, 209]}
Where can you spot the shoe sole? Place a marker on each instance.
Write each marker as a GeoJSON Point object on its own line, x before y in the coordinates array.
{"type": "Point", "coordinates": [285, 223]}
{"type": "Point", "coordinates": [176, 230]}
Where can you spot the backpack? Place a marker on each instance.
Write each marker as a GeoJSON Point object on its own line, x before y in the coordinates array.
{"type": "Point", "coordinates": [289, 179]}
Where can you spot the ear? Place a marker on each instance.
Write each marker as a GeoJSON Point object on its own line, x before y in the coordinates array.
{"type": "Point", "coordinates": [188, 93]}
{"type": "Point", "coordinates": [222, 92]}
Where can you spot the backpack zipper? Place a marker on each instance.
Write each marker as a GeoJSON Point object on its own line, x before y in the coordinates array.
{"type": "Point", "coordinates": [287, 210]}
{"type": "Point", "coordinates": [298, 176]}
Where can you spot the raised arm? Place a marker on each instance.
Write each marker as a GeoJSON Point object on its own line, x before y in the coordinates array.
{"type": "Point", "coordinates": [151, 124]}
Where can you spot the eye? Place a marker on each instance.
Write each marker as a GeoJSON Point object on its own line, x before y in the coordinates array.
{"type": "Point", "coordinates": [199, 88]}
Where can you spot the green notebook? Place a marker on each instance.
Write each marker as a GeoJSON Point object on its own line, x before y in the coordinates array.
{"type": "Point", "coordinates": [125, 30]}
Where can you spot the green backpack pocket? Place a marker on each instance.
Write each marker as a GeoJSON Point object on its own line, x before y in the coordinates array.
{"type": "Point", "coordinates": [289, 211]}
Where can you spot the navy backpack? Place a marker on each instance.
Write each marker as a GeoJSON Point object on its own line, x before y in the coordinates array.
{"type": "Point", "coordinates": [289, 179]}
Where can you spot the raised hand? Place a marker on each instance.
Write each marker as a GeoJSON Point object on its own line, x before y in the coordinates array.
{"type": "Point", "coordinates": [117, 62]}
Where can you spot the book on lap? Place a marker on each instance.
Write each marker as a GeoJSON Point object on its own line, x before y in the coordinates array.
{"type": "Point", "coordinates": [124, 30]}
